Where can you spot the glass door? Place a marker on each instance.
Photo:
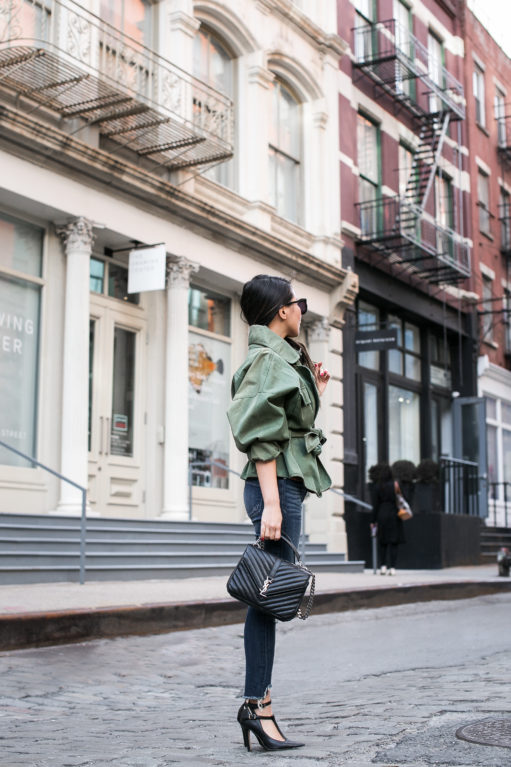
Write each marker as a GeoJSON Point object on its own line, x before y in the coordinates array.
{"type": "Point", "coordinates": [469, 416]}
{"type": "Point", "coordinates": [116, 412]}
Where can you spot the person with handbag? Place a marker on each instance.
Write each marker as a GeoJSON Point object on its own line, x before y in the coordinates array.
{"type": "Point", "coordinates": [385, 517]}
{"type": "Point", "coordinates": [275, 401]}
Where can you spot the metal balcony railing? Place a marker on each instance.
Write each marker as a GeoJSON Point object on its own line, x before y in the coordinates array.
{"type": "Point", "coordinates": [404, 234]}
{"type": "Point", "coordinates": [402, 66]}
{"type": "Point", "coordinates": [65, 58]}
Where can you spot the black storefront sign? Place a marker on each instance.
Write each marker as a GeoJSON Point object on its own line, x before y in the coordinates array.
{"type": "Point", "coordinates": [375, 340]}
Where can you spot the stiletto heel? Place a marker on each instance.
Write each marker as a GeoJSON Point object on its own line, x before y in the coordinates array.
{"type": "Point", "coordinates": [250, 721]}
{"type": "Point", "coordinates": [246, 737]}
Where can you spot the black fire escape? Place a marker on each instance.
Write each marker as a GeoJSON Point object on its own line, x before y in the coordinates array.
{"type": "Point", "coordinates": [404, 229]}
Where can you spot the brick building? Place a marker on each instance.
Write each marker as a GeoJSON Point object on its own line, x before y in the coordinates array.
{"type": "Point", "coordinates": [488, 88]}
{"type": "Point", "coordinates": [405, 206]}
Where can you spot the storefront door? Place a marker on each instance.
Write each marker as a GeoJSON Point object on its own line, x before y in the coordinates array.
{"type": "Point", "coordinates": [116, 411]}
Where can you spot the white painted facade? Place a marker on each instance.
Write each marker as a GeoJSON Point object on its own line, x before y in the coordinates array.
{"type": "Point", "coordinates": [85, 198]}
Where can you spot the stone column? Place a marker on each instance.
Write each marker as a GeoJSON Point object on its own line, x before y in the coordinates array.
{"type": "Point", "coordinates": [77, 238]}
{"type": "Point", "coordinates": [175, 462]}
{"type": "Point", "coordinates": [324, 523]}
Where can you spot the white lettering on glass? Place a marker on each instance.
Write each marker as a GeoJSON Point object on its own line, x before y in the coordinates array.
{"type": "Point", "coordinates": [15, 322]}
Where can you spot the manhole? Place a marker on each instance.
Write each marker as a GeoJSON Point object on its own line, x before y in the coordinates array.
{"type": "Point", "coordinates": [487, 732]}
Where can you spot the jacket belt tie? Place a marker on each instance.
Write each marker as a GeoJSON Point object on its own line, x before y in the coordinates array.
{"type": "Point", "coordinates": [314, 439]}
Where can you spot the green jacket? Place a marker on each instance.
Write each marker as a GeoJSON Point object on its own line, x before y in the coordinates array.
{"type": "Point", "coordinates": [275, 402]}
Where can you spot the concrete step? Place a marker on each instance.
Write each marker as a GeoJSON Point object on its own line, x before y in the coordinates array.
{"type": "Point", "coordinates": [50, 558]}
{"type": "Point", "coordinates": [108, 533]}
{"type": "Point", "coordinates": [100, 523]}
{"type": "Point", "coordinates": [49, 574]}
{"type": "Point", "coordinates": [132, 546]}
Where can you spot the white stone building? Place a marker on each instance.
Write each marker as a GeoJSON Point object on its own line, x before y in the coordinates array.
{"type": "Point", "coordinates": [117, 126]}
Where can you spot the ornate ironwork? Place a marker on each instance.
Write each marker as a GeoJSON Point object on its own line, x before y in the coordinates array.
{"type": "Point", "coordinates": [398, 62]}
{"type": "Point", "coordinates": [61, 55]}
{"type": "Point", "coordinates": [403, 233]}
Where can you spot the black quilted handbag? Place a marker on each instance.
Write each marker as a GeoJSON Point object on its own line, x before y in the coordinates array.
{"type": "Point", "coordinates": [271, 584]}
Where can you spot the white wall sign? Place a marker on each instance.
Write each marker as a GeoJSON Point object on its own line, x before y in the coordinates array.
{"type": "Point", "coordinates": [146, 269]}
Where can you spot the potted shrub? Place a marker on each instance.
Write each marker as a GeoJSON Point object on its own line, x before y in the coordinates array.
{"type": "Point", "coordinates": [427, 487]}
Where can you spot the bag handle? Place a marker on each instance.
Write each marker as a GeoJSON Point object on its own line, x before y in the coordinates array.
{"type": "Point", "coordinates": [261, 541]}
{"type": "Point", "coordinates": [305, 614]}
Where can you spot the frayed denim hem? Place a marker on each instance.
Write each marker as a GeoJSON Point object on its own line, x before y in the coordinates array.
{"type": "Point", "coordinates": [258, 699]}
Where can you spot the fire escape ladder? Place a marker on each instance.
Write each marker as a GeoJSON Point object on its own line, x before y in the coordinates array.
{"type": "Point", "coordinates": [423, 171]}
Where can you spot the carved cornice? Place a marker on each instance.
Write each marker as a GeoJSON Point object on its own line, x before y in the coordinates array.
{"type": "Point", "coordinates": [328, 42]}
{"type": "Point", "coordinates": [76, 235]}
{"type": "Point", "coordinates": [318, 331]}
{"type": "Point", "coordinates": [179, 271]}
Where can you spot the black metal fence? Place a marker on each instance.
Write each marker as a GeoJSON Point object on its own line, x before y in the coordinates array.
{"type": "Point", "coordinates": [500, 501]}
{"type": "Point", "coordinates": [460, 484]}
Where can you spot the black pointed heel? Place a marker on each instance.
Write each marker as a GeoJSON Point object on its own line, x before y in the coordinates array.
{"type": "Point", "coordinates": [250, 721]}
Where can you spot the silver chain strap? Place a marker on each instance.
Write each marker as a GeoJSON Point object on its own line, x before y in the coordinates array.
{"type": "Point", "coordinates": [305, 615]}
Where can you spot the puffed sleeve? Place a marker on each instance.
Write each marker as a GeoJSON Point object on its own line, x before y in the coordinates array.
{"type": "Point", "coordinates": [257, 413]}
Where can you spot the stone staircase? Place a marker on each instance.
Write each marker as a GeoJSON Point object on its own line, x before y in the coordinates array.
{"type": "Point", "coordinates": [43, 548]}
{"type": "Point", "coordinates": [492, 539]}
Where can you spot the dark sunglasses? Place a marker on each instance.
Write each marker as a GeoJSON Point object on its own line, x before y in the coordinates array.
{"type": "Point", "coordinates": [302, 304]}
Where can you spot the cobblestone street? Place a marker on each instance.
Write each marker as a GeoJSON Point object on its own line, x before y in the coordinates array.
{"type": "Point", "coordinates": [374, 687]}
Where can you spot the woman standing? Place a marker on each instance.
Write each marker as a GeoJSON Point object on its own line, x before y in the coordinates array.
{"type": "Point", "coordinates": [275, 401]}
{"type": "Point", "coordinates": [384, 518]}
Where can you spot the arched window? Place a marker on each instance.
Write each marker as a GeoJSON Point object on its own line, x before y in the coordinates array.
{"type": "Point", "coordinates": [213, 64]}
{"type": "Point", "coordinates": [285, 151]}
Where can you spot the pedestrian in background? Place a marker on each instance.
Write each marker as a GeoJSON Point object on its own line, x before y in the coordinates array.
{"type": "Point", "coordinates": [275, 401]}
{"type": "Point", "coordinates": [384, 517]}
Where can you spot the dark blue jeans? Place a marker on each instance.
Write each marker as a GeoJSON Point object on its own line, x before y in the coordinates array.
{"type": "Point", "coordinates": [260, 628]}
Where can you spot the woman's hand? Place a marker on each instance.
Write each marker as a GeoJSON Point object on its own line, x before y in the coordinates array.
{"type": "Point", "coordinates": [271, 522]}
{"type": "Point", "coordinates": [322, 377]}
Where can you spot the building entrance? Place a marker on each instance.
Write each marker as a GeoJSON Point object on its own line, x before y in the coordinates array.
{"type": "Point", "coordinates": [116, 410]}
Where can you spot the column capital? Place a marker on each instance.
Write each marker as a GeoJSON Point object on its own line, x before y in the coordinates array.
{"type": "Point", "coordinates": [179, 271]}
{"type": "Point", "coordinates": [319, 330]}
{"type": "Point", "coordinates": [77, 234]}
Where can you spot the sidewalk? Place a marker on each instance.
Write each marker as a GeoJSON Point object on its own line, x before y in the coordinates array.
{"type": "Point", "coordinates": [52, 613]}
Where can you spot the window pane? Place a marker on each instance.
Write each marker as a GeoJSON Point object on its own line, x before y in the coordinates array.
{"type": "Point", "coordinates": [412, 338]}
{"type": "Point", "coordinates": [367, 148]}
{"type": "Point", "coordinates": [396, 361]}
{"type": "Point", "coordinates": [366, 8]}
{"type": "Point", "coordinates": [487, 306]}
{"type": "Point", "coordinates": [209, 397]}
{"type": "Point", "coordinates": [21, 246]}
{"type": "Point", "coordinates": [209, 311]}
{"type": "Point", "coordinates": [19, 356]}
{"type": "Point", "coordinates": [123, 393]}
{"type": "Point", "coordinates": [491, 436]}
{"type": "Point", "coordinates": [435, 431]}
{"type": "Point", "coordinates": [483, 194]}
{"type": "Point", "coordinates": [412, 367]}
{"type": "Point", "coordinates": [92, 339]}
{"type": "Point", "coordinates": [118, 284]}
{"type": "Point", "coordinates": [506, 451]}
{"type": "Point", "coordinates": [368, 319]}
{"type": "Point", "coordinates": [491, 408]}
{"type": "Point", "coordinates": [370, 425]}
{"type": "Point", "coordinates": [97, 275]}
{"type": "Point", "coordinates": [405, 168]}
{"type": "Point", "coordinates": [404, 425]}
{"type": "Point", "coordinates": [131, 17]}
{"type": "Point", "coordinates": [505, 409]}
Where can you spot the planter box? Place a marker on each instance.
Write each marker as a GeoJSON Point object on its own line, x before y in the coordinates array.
{"type": "Point", "coordinates": [434, 540]}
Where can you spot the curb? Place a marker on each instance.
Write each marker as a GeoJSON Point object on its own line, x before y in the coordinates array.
{"type": "Point", "coordinates": [24, 630]}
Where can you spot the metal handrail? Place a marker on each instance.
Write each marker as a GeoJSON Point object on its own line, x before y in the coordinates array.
{"type": "Point", "coordinates": [83, 490]}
